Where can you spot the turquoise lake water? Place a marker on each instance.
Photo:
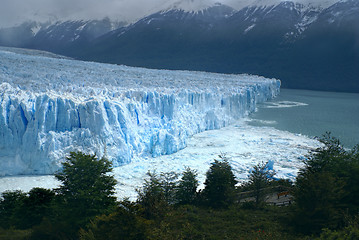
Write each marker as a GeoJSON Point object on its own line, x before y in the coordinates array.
{"type": "Point", "coordinates": [312, 113]}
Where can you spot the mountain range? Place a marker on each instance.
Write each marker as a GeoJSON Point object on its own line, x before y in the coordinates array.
{"type": "Point", "coordinates": [307, 46]}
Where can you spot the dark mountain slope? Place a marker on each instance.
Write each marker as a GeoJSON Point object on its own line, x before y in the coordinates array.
{"type": "Point", "coordinates": [305, 47]}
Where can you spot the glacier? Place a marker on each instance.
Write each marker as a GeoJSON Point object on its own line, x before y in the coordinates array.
{"type": "Point", "coordinates": [243, 144]}
{"type": "Point", "coordinates": [50, 106]}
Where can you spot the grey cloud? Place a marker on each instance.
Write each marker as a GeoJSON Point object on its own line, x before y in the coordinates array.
{"type": "Point", "coordinates": [17, 11]}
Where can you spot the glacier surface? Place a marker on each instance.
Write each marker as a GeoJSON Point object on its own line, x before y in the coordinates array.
{"type": "Point", "coordinates": [51, 106]}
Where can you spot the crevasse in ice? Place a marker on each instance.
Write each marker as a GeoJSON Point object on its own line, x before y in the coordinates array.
{"type": "Point", "coordinates": [51, 106]}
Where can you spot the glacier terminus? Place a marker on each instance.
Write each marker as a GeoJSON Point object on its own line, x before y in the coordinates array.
{"type": "Point", "coordinates": [50, 106]}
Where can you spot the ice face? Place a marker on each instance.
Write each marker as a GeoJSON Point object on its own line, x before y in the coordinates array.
{"type": "Point", "coordinates": [244, 145]}
{"type": "Point", "coordinates": [50, 106]}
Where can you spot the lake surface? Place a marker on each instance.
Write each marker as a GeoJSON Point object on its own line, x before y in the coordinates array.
{"type": "Point", "coordinates": [312, 113]}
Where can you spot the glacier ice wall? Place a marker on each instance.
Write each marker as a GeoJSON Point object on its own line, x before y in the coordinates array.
{"type": "Point", "coordinates": [49, 107]}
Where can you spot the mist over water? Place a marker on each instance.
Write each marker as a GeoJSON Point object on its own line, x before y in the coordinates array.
{"type": "Point", "coordinates": [312, 113]}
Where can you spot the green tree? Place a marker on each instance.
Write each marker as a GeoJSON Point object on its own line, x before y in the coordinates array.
{"type": "Point", "coordinates": [35, 206]}
{"type": "Point", "coordinates": [120, 224]}
{"type": "Point", "coordinates": [348, 233]}
{"type": "Point", "coordinates": [87, 187]}
{"type": "Point", "coordinates": [326, 188]}
{"type": "Point", "coordinates": [259, 178]}
{"type": "Point", "coordinates": [10, 203]}
{"type": "Point", "coordinates": [187, 187]}
{"type": "Point", "coordinates": [168, 184]}
{"type": "Point", "coordinates": [318, 202]}
{"type": "Point", "coordinates": [220, 183]}
{"type": "Point", "coordinates": [152, 197]}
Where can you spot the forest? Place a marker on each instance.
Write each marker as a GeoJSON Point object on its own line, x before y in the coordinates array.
{"type": "Point", "coordinates": [322, 202]}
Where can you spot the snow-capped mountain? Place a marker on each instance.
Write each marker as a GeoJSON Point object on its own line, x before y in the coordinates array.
{"type": "Point", "coordinates": [18, 36]}
{"type": "Point", "coordinates": [318, 4]}
{"type": "Point", "coordinates": [64, 36]}
{"type": "Point", "coordinates": [60, 37]}
{"type": "Point", "coordinates": [307, 44]}
{"type": "Point", "coordinates": [189, 5]}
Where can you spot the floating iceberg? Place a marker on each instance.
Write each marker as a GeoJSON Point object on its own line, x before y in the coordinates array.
{"type": "Point", "coordinates": [51, 106]}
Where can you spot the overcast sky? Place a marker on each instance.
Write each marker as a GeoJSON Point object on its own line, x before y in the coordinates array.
{"type": "Point", "coordinates": [14, 12]}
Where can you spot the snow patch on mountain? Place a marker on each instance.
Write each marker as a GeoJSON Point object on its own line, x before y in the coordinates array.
{"type": "Point", "coordinates": [306, 21]}
{"type": "Point", "coordinates": [189, 5]}
{"type": "Point", "coordinates": [308, 3]}
{"type": "Point", "coordinates": [35, 29]}
{"type": "Point", "coordinates": [249, 28]}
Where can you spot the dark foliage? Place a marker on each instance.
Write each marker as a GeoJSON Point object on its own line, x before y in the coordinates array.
{"type": "Point", "coordinates": [86, 191]}
{"type": "Point", "coordinates": [327, 187]}
{"type": "Point", "coordinates": [234, 222]}
{"type": "Point", "coordinates": [36, 206]}
{"type": "Point", "coordinates": [168, 182]}
{"type": "Point", "coordinates": [350, 232]}
{"type": "Point", "coordinates": [259, 178]}
{"type": "Point", "coordinates": [152, 197]}
{"type": "Point", "coordinates": [120, 224]}
{"type": "Point", "coordinates": [87, 187]}
{"type": "Point", "coordinates": [220, 183]}
{"type": "Point", "coordinates": [10, 203]}
{"type": "Point", "coordinates": [14, 234]}
{"type": "Point", "coordinates": [187, 187]}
